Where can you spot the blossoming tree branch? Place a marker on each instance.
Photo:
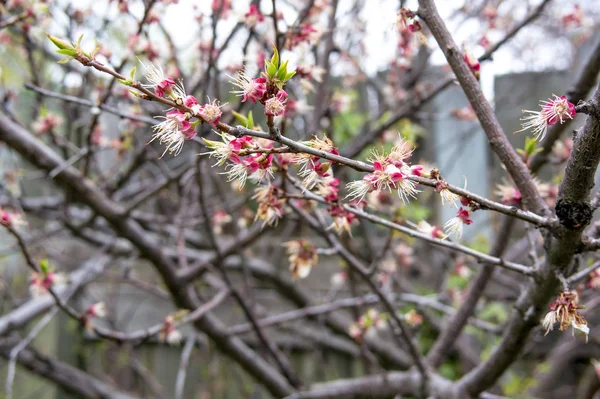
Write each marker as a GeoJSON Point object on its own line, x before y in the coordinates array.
{"type": "Point", "coordinates": [219, 175]}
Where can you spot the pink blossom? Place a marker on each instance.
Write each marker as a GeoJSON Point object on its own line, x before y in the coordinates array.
{"type": "Point", "coordinates": [169, 332]}
{"type": "Point", "coordinates": [314, 171]}
{"type": "Point", "coordinates": [252, 89]}
{"type": "Point", "coordinates": [190, 101]}
{"type": "Point", "coordinates": [211, 112]}
{"type": "Point", "coordinates": [270, 205]}
{"type": "Point", "coordinates": [329, 189]}
{"type": "Point", "coordinates": [46, 124]}
{"type": "Point", "coordinates": [432, 231]}
{"type": "Point", "coordinates": [305, 33]}
{"type": "Point", "coordinates": [160, 83]}
{"type": "Point", "coordinates": [253, 16]}
{"type": "Point", "coordinates": [574, 18]}
{"type": "Point", "coordinates": [455, 225]}
{"type": "Point", "coordinates": [554, 110]}
{"type": "Point", "coordinates": [10, 219]}
{"type": "Point", "coordinates": [388, 177]}
{"type": "Point", "coordinates": [275, 106]}
{"type": "Point", "coordinates": [490, 12]}
{"type": "Point", "coordinates": [463, 215]}
{"type": "Point", "coordinates": [40, 283]}
{"type": "Point", "coordinates": [97, 310]}
{"type": "Point", "coordinates": [222, 7]}
{"type": "Point", "coordinates": [484, 41]}
{"type": "Point", "coordinates": [557, 109]}
{"type": "Point", "coordinates": [413, 318]}
{"type": "Point", "coordinates": [509, 194]}
{"type": "Point", "coordinates": [342, 219]}
{"type": "Point", "coordinates": [256, 166]}
{"type": "Point", "coordinates": [303, 256]}
{"type": "Point", "coordinates": [174, 130]}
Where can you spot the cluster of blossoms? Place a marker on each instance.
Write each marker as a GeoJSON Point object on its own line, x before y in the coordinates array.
{"type": "Point", "coordinates": [316, 171]}
{"type": "Point", "coordinates": [40, 283]}
{"type": "Point", "coordinates": [406, 20]}
{"type": "Point", "coordinates": [367, 325]}
{"type": "Point", "coordinates": [243, 165]}
{"type": "Point", "coordinates": [302, 257]}
{"type": "Point", "coordinates": [268, 88]}
{"type": "Point", "coordinates": [173, 131]}
{"type": "Point", "coordinates": [554, 110]}
{"type": "Point", "coordinates": [318, 175]}
{"type": "Point", "coordinates": [270, 204]}
{"type": "Point", "coordinates": [391, 172]}
{"type": "Point", "coordinates": [565, 311]}
{"type": "Point", "coordinates": [97, 310]}
{"type": "Point", "coordinates": [455, 225]}
{"type": "Point", "coordinates": [176, 127]}
{"type": "Point", "coordinates": [408, 26]}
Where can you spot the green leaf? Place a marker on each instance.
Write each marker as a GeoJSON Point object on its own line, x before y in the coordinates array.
{"type": "Point", "coordinates": [250, 121]}
{"type": "Point", "coordinates": [271, 69]}
{"type": "Point", "coordinates": [240, 118]}
{"type": "Point", "coordinates": [289, 75]}
{"type": "Point", "coordinates": [275, 57]}
{"type": "Point", "coordinates": [44, 266]}
{"type": "Point", "coordinates": [282, 71]}
{"type": "Point", "coordinates": [66, 51]}
{"type": "Point", "coordinates": [61, 44]}
{"type": "Point", "coordinates": [132, 73]}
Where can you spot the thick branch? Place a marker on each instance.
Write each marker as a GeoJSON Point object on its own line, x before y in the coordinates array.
{"type": "Point", "coordinates": [496, 137]}
{"type": "Point", "coordinates": [67, 377]}
{"type": "Point", "coordinates": [572, 207]}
